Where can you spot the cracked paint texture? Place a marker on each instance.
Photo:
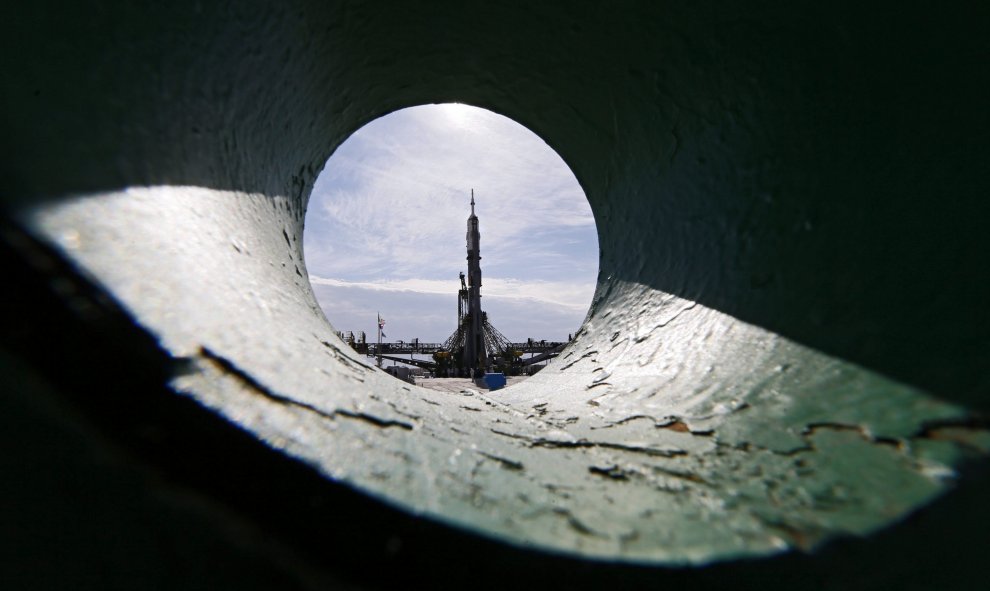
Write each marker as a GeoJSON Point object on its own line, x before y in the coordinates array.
{"type": "Point", "coordinates": [667, 432]}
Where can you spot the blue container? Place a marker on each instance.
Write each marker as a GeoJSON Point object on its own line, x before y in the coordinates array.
{"type": "Point", "coordinates": [495, 381]}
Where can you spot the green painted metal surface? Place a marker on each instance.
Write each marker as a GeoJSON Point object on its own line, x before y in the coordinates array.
{"type": "Point", "coordinates": [788, 340]}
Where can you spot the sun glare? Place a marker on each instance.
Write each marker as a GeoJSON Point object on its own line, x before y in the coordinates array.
{"type": "Point", "coordinates": [461, 116]}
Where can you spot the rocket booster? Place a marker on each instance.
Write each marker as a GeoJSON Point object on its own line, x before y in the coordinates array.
{"type": "Point", "coordinates": [475, 356]}
{"type": "Point", "coordinates": [473, 248]}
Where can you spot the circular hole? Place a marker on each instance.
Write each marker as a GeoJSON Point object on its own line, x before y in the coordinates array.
{"type": "Point", "coordinates": [385, 239]}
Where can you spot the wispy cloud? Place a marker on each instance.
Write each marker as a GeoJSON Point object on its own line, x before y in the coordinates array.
{"type": "Point", "coordinates": [388, 213]}
{"type": "Point", "coordinates": [430, 315]}
{"type": "Point", "coordinates": [573, 296]}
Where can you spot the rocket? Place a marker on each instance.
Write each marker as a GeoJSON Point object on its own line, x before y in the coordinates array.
{"type": "Point", "coordinates": [474, 346]}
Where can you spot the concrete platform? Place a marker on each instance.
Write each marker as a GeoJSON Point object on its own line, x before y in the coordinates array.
{"type": "Point", "coordinates": [460, 384]}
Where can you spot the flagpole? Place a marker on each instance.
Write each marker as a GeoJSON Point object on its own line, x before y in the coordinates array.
{"type": "Point", "coordinates": [379, 340]}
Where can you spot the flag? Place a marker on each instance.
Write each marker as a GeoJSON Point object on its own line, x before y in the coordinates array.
{"type": "Point", "coordinates": [381, 322]}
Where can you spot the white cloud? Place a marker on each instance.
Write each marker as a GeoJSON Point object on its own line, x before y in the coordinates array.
{"type": "Point", "coordinates": [575, 297]}
{"type": "Point", "coordinates": [430, 315]}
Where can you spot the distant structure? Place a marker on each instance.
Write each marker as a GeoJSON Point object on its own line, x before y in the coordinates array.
{"type": "Point", "coordinates": [475, 345]}
{"type": "Point", "coordinates": [356, 340]}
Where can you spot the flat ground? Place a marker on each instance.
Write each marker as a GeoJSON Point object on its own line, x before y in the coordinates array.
{"type": "Point", "coordinates": [457, 384]}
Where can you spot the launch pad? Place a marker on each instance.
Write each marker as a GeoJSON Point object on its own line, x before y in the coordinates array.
{"type": "Point", "coordinates": [476, 346]}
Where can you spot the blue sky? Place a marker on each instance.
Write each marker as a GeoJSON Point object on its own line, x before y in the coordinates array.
{"type": "Point", "coordinates": [385, 228]}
